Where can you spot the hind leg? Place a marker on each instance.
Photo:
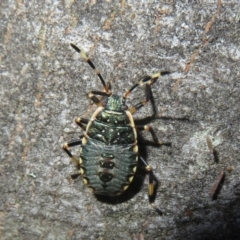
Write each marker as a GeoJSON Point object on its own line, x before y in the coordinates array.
{"type": "Point", "coordinates": [151, 186]}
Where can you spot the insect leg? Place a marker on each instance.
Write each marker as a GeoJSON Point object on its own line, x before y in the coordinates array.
{"type": "Point", "coordinates": [92, 96]}
{"type": "Point", "coordinates": [133, 109]}
{"type": "Point", "coordinates": [154, 136]}
{"type": "Point", "coordinates": [149, 80]}
{"type": "Point", "coordinates": [81, 121]}
{"type": "Point", "coordinates": [151, 186]}
{"type": "Point", "coordinates": [69, 144]}
{"type": "Point", "coordinates": [87, 59]}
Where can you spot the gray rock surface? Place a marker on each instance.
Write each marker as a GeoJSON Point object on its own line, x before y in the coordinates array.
{"type": "Point", "coordinates": [43, 86]}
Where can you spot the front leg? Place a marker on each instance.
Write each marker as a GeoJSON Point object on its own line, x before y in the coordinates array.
{"type": "Point", "coordinates": [92, 96]}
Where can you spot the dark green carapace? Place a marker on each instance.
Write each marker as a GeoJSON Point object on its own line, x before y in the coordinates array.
{"type": "Point", "coordinates": [109, 149]}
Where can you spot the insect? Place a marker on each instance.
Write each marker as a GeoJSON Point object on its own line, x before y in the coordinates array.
{"type": "Point", "coordinates": [109, 154]}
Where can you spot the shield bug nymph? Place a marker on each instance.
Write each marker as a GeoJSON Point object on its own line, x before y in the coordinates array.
{"type": "Point", "coordinates": [109, 153]}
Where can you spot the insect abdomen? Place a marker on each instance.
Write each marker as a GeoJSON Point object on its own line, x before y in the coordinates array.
{"type": "Point", "coordinates": [121, 164]}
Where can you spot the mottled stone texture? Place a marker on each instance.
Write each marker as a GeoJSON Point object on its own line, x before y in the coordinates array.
{"type": "Point", "coordinates": [43, 86]}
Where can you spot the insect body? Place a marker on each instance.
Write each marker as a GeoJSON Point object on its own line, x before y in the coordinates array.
{"type": "Point", "coordinates": [109, 149]}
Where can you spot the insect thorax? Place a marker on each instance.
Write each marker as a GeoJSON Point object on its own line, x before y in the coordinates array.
{"type": "Point", "coordinates": [113, 124]}
{"type": "Point", "coordinates": [112, 128]}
